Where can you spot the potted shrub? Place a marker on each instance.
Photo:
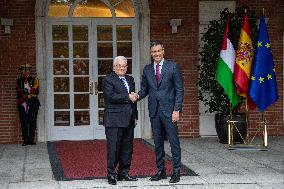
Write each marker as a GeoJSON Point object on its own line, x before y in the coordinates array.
{"type": "Point", "coordinates": [210, 92]}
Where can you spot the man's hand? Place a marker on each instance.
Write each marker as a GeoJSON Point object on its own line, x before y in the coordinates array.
{"type": "Point", "coordinates": [133, 96]}
{"type": "Point", "coordinates": [175, 116]}
{"type": "Point", "coordinates": [26, 107]}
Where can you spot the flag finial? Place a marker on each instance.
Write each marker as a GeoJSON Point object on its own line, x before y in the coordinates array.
{"type": "Point", "coordinates": [262, 11]}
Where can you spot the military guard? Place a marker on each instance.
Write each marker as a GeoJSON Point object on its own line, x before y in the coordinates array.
{"type": "Point", "coordinates": [28, 103]}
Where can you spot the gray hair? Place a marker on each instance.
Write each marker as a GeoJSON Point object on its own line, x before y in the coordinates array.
{"type": "Point", "coordinates": [118, 58]}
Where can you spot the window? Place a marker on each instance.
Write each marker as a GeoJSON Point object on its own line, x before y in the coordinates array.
{"type": "Point", "coordinates": [91, 8]}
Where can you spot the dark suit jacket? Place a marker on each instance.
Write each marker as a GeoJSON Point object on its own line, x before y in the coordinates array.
{"type": "Point", "coordinates": [119, 110]}
{"type": "Point", "coordinates": [168, 93]}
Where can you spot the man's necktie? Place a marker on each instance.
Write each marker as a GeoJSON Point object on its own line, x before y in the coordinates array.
{"type": "Point", "coordinates": [125, 84]}
{"type": "Point", "coordinates": [157, 73]}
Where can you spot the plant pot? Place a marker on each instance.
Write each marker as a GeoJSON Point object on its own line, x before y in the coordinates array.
{"type": "Point", "coordinates": [221, 126]}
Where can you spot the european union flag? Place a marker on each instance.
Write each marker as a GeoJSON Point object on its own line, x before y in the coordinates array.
{"type": "Point", "coordinates": [263, 86]}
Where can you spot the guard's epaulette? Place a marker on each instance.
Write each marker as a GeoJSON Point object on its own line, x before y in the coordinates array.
{"type": "Point", "coordinates": [35, 76]}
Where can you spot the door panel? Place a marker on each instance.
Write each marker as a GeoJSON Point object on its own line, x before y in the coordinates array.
{"type": "Point", "coordinates": [71, 76]}
{"type": "Point", "coordinates": [105, 51]}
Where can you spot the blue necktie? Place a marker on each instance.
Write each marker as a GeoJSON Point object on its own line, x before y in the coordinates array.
{"type": "Point", "coordinates": [125, 84]}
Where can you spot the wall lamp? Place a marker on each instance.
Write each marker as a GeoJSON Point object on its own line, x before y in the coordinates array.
{"type": "Point", "coordinates": [7, 23]}
{"type": "Point", "coordinates": [174, 24]}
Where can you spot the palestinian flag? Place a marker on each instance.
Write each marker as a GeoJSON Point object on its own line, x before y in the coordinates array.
{"type": "Point", "coordinates": [225, 67]}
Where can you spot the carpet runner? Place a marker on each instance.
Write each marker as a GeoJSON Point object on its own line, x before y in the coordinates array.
{"type": "Point", "coordinates": [72, 160]}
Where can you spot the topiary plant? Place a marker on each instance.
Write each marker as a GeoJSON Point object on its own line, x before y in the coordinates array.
{"type": "Point", "coordinates": [210, 92]}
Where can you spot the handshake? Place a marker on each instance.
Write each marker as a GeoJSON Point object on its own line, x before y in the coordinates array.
{"type": "Point", "coordinates": [133, 96]}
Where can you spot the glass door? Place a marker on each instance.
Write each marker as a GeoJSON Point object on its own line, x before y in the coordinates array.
{"type": "Point", "coordinates": [80, 55]}
{"type": "Point", "coordinates": [71, 85]}
{"type": "Point", "coordinates": [110, 40]}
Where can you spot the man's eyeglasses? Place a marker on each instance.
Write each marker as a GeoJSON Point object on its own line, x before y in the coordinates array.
{"type": "Point", "coordinates": [121, 66]}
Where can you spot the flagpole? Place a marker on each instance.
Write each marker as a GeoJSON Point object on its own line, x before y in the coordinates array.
{"type": "Point", "coordinates": [241, 81]}
{"type": "Point", "coordinates": [264, 129]}
{"type": "Point", "coordinates": [230, 127]}
{"type": "Point", "coordinates": [246, 141]}
{"type": "Point", "coordinates": [265, 139]}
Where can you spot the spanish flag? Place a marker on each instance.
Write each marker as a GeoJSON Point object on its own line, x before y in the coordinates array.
{"type": "Point", "coordinates": [243, 63]}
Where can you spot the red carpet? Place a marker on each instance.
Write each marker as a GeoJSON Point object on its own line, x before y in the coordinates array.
{"type": "Point", "coordinates": [87, 159]}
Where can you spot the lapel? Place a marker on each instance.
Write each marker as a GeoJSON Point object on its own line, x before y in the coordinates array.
{"type": "Point", "coordinates": [119, 81]}
{"type": "Point", "coordinates": [130, 84]}
{"type": "Point", "coordinates": [163, 71]}
{"type": "Point", "coordinates": [152, 74]}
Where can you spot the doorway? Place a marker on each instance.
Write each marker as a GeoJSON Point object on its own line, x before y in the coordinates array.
{"type": "Point", "coordinates": [81, 47]}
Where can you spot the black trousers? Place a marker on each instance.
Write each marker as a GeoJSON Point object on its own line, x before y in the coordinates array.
{"type": "Point", "coordinates": [119, 149]}
{"type": "Point", "coordinates": [28, 120]}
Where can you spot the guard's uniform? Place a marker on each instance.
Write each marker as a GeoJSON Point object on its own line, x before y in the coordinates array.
{"type": "Point", "coordinates": [28, 105]}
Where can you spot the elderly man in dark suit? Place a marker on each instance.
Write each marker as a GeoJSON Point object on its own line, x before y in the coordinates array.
{"type": "Point", "coordinates": [119, 120]}
{"type": "Point", "coordinates": [162, 81]}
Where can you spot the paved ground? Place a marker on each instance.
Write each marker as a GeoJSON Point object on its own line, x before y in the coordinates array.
{"type": "Point", "coordinates": [29, 167]}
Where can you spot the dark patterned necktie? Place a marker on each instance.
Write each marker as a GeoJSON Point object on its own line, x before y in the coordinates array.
{"type": "Point", "coordinates": [125, 84]}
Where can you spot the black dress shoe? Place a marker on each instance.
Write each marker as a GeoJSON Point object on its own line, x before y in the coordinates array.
{"type": "Point", "coordinates": [31, 143]}
{"type": "Point", "coordinates": [175, 177]}
{"type": "Point", "coordinates": [160, 175]}
{"type": "Point", "coordinates": [111, 179]}
{"type": "Point", "coordinates": [126, 178]}
{"type": "Point", "coordinates": [24, 144]}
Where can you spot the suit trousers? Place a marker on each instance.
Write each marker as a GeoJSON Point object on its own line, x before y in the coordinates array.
{"type": "Point", "coordinates": [29, 120]}
{"type": "Point", "coordinates": [119, 149]}
{"type": "Point", "coordinates": [159, 124]}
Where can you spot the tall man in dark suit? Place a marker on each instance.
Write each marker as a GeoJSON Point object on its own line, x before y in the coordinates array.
{"type": "Point", "coordinates": [119, 120]}
{"type": "Point", "coordinates": [162, 81]}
